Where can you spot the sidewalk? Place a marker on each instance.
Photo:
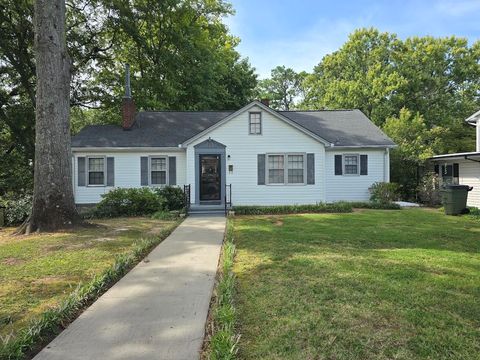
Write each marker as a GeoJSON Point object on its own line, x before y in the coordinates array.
{"type": "Point", "coordinates": [158, 310]}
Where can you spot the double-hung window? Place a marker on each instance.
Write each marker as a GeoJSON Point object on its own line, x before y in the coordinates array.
{"type": "Point", "coordinates": [286, 168]}
{"type": "Point", "coordinates": [276, 169]}
{"type": "Point", "coordinates": [351, 164]}
{"type": "Point", "coordinates": [158, 171]}
{"type": "Point", "coordinates": [96, 171]}
{"type": "Point", "coordinates": [296, 169]}
{"type": "Point", "coordinates": [255, 123]}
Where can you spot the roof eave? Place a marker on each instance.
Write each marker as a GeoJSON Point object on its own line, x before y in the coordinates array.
{"type": "Point", "coordinates": [375, 146]}
{"type": "Point", "coordinates": [452, 156]}
{"type": "Point", "coordinates": [126, 148]}
{"type": "Point", "coordinates": [473, 119]}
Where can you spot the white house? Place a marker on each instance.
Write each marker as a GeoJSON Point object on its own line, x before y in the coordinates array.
{"type": "Point", "coordinates": [258, 155]}
{"type": "Point", "coordinates": [463, 168]}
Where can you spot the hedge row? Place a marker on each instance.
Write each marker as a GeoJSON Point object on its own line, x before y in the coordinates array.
{"type": "Point", "coordinates": [338, 207]}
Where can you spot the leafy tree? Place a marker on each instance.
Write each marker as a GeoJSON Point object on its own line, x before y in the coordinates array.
{"type": "Point", "coordinates": [437, 79]}
{"type": "Point", "coordinates": [361, 75]}
{"type": "Point", "coordinates": [181, 53]}
{"type": "Point", "coordinates": [283, 88]}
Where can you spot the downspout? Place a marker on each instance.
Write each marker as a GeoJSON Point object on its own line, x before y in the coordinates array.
{"type": "Point", "coordinates": [478, 135]}
{"type": "Point", "coordinates": [386, 167]}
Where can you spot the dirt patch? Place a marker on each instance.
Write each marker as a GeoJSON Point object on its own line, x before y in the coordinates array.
{"type": "Point", "coordinates": [104, 239]}
{"type": "Point", "coordinates": [279, 223]}
{"type": "Point", "coordinates": [12, 261]}
{"type": "Point", "coordinates": [156, 230]}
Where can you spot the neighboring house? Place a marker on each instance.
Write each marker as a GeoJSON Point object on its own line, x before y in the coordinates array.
{"type": "Point", "coordinates": [462, 168]}
{"type": "Point", "coordinates": [268, 157]}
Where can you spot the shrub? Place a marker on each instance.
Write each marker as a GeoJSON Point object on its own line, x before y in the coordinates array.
{"type": "Point", "coordinates": [383, 192]}
{"type": "Point", "coordinates": [338, 207]}
{"type": "Point", "coordinates": [167, 215]}
{"type": "Point", "coordinates": [428, 189]}
{"type": "Point", "coordinates": [129, 202]}
{"type": "Point", "coordinates": [174, 197]}
{"type": "Point", "coordinates": [17, 208]}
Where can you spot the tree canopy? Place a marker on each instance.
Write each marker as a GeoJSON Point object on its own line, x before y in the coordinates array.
{"type": "Point", "coordinates": [181, 54]}
{"type": "Point", "coordinates": [284, 88]}
{"type": "Point", "coordinates": [419, 90]}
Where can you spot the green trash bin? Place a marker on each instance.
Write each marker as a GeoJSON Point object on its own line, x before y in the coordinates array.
{"type": "Point", "coordinates": [454, 198]}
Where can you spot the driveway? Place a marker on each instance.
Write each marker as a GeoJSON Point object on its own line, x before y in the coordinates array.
{"type": "Point", "coordinates": [158, 310]}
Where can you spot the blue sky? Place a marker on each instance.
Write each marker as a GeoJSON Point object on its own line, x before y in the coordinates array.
{"type": "Point", "coordinates": [298, 33]}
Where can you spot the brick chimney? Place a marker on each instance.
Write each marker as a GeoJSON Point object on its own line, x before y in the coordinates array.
{"type": "Point", "coordinates": [265, 102]}
{"type": "Point", "coordinates": [128, 105]}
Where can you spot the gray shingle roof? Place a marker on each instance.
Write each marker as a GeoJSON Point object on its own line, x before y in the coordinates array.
{"type": "Point", "coordinates": [171, 128]}
{"type": "Point", "coordinates": [341, 127]}
{"type": "Point", "coordinates": [151, 129]}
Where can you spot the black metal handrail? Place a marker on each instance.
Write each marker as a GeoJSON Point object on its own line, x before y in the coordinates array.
{"type": "Point", "coordinates": [228, 198]}
{"type": "Point", "coordinates": [186, 197]}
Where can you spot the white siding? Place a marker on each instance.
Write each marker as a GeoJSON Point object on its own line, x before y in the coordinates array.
{"type": "Point", "coordinates": [469, 174]}
{"type": "Point", "coordinates": [355, 187]}
{"type": "Point", "coordinates": [127, 173]}
{"type": "Point", "coordinates": [277, 136]}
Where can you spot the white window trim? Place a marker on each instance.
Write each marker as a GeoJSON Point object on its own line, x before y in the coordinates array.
{"type": "Point", "coordinates": [87, 172]}
{"type": "Point", "coordinates": [343, 165]}
{"type": "Point", "coordinates": [250, 120]}
{"type": "Point", "coordinates": [150, 170]}
{"type": "Point", "coordinates": [285, 169]}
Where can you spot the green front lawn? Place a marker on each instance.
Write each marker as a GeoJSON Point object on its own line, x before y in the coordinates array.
{"type": "Point", "coordinates": [367, 285]}
{"type": "Point", "coordinates": [38, 271]}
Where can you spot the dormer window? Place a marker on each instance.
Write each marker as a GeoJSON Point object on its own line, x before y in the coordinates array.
{"type": "Point", "coordinates": [255, 123]}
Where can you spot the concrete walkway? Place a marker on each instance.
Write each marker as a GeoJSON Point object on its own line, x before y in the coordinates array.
{"type": "Point", "coordinates": [158, 310]}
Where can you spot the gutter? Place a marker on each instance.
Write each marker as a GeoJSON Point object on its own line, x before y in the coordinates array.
{"type": "Point", "coordinates": [126, 149]}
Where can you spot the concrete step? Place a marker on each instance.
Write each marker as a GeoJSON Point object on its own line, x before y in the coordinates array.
{"type": "Point", "coordinates": [207, 210]}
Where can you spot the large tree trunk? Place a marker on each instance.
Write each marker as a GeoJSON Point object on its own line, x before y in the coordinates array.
{"type": "Point", "coordinates": [53, 204]}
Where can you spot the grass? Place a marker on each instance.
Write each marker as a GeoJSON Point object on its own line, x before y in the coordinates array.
{"type": "Point", "coordinates": [38, 272]}
{"type": "Point", "coordinates": [365, 285]}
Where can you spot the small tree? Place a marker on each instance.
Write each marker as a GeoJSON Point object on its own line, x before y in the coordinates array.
{"type": "Point", "coordinates": [428, 189]}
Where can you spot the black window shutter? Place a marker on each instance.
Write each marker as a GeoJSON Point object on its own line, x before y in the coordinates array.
{"type": "Point", "coordinates": [456, 170]}
{"type": "Point", "coordinates": [363, 164]}
{"type": "Point", "coordinates": [110, 171]}
{"type": "Point", "coordinates": [172, 170]}
{"type": "Point", "coordinates": [261, 169]}
{"type": "Point", "coordinates": [144, 171]}
{"type": "Point", "coordinates": [338, 165]}
{"type": "Point", "coordinates": [310, 169]}
{"type": "Point", "coordinates": [437, 169]}
{"type": "Point", "coordinates": [81, 163]}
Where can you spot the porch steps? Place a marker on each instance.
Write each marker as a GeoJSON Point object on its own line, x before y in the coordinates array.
{"type": "Point", "coordinates": [207, 210]}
